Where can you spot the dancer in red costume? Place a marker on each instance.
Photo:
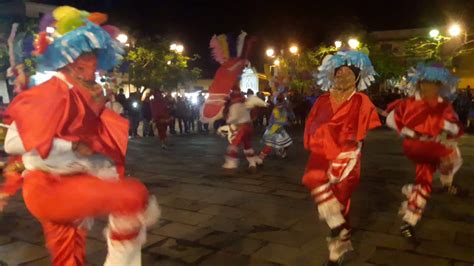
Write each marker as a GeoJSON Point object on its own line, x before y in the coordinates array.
{"type": "Point", "coordinates": [161, 116]}
{"type": "Point", "coordinates": [239, 128]}
{"type": "Point", "coordinates": [430, 128]}
{"type": "Point", "coordinates": [72, 167]}
{"type": "Point", "coordinates": [227, 101]}
{"type": "Point", "coordinates": [335, 129]}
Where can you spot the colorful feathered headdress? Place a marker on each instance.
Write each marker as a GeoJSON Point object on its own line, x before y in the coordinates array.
{"type": "Point", "coordinates": [225, 47]}
{"type": "Point", "coordinates": [68, 32]}
{"type": "Point", "coordinates": [435, 73]}
{"type": "Point", "coordinates": [346, 58]}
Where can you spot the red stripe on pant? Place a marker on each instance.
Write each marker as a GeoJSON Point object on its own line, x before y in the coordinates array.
{"type": "Point", "coordinates": [243, 136]}
{"type": "Point", "coordinates": [59, 203]}
{"type": "Point", "coordinates": [316, 176]}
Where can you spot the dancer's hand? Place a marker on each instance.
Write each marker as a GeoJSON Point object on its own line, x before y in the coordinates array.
{"type": "Point", "coordinates": [3, 201]}
{"type": "Point", "coordinates": [82, 149]}
{"type": "Point", "coordinates": [13, 167]}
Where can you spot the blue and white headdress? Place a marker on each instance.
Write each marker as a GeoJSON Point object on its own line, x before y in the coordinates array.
{"type": "Point", "coordinates": [346, 58]}
{"type": "Point", "coordinates": [435, 73]}
{"type": "Point", "coordinates": [69, 33]}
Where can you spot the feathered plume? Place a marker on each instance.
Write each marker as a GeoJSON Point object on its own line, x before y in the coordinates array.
{"type": "Point", "coordinates": [216, 50]}
{"type": "Point", "coordinates": [11, 43]}
{"type": "Point", "coordinates": [224, 46]}
{"type": "Point", "coordinates": [240, 43]}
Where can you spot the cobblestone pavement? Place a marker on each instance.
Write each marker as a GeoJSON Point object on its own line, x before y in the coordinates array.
{"type": "Point", "coordinates": [212, 217]}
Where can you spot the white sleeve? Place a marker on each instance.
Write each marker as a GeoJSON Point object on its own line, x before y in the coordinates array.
{"type": "Point", "coordinates": [405, 131]}
{"type": "Point", "coordinates": [254, 101]}
{"type": "Point", "coordinates": [390, 121]}
{"type": "Point", "coordinates": [60, 145]}
{"type": "Point", "coordinates": [451, 128]}
{"type": "Point", "coordinates": [14, 144]}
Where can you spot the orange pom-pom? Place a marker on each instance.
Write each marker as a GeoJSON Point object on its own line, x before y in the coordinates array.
{"type": "Point", "coordinates": [98, 18]}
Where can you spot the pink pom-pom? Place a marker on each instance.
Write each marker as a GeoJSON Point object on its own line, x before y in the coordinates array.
{"type": "Point", "coordinates": [217, 51]}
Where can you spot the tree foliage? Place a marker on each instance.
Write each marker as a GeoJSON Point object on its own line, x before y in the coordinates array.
{"type": "Point", "coordinates": [303, 68]}
{"type": "Point", "coordinates": [437, 49]}
{"type": "Point", "coordinates": [387, 65]}
{"type": "Point", "coordinates": [153, 65]}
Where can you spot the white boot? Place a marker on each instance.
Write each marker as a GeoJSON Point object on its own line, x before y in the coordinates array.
{"type": "Point", "coordinates": [128, 252]}
{"type": "Point", "coordinates": [230, 163]}
{"type": "Point", "coordinates": [339, 246]}
{"type": "Point", "coordinates": [257, 160]}
{"type": "Point", "coordinates": [125, 252]}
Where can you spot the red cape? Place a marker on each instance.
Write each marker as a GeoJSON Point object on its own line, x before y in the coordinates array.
{"type": "Point", "coordinates": [422, 117]}
{"type": "Point", "coordinates": [224, 79]}
{"type": "Point", "coordinates": [53, 110]}
{"type": "Point", "coordinates": [329, 133]}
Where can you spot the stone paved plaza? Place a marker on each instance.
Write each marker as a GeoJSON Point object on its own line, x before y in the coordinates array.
{"type": "Point", "coordinates": [212, 217]}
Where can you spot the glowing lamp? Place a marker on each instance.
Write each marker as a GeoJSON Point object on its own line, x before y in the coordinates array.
{"type": "Point", "coordinates": [454, 30]}
{"type": "Point", "coordinates": [179, 48]}
{"type": "Point", "coordinates": [434, 33]}
{"type": "Point", "coordinates": [353, 43]}
{"type": "Point", "coordinates": [270, 52]}
{"type": "Point", "coordinates": [122, 38]}
{"type": "Point", "coordinates": [294, 49]}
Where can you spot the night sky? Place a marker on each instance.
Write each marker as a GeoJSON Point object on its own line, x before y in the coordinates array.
{"type": "Point", "coordinates": [275, 23]}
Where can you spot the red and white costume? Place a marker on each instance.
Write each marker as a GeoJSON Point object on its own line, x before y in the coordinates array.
{"type": "Point", "coordinates": [334, 133]}
{"type": "Point", "coordinates": [62, 188]}
{"type": "Point", "coordinates": [431, 129]}
{"type": "Point", "coordinates": [239, 128]}
{"type": "Point", "coordinates": [334, 138]}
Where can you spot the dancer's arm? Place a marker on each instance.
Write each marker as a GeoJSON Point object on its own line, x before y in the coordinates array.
{"type": "Point", "coordinates": [451, 128]}
{"type": "Point", "coordinates": [345, 162]}
{"type": "Point", "coordinates": [13, 180]}
{"type": "Point", "coordinates": [14, 144]}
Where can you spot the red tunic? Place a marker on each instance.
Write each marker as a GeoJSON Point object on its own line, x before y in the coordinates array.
{"type": "Point", "coordinates": [425, 118]}
{"type": "Point", "coordinates": [329, 132]}
{"type": "Point", "coordinates": [53, 110]}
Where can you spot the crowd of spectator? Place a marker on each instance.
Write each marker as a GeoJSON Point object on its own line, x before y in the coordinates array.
{"type": "Point", "coordinates": [158, 113]}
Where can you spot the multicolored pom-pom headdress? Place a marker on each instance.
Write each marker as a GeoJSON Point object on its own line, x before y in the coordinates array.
{"type": "Point", "coordinates": [346, 58]}
{"type": "Point", "coordinates": [433, 73]}
{"type": "Point", "coordinates": [76, 32]}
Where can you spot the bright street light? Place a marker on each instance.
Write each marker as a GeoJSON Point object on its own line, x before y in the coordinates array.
{"type": "Point", "coordinates": [122, 38]}
{"type": "Point", "coordinates": [454, 30]}
{"type": "Point", "coordinates": [294, 49]}
{"type": "Point", "coordinates": [270, 52]}
{"type": "Point", "coordinates": [173, 47]}
{"type": "Point", "coordinates": [338, 44]}
{"type": "Point", "coordinates": [353, 43]}
{"type": "Point", "coordinates": [434, 33]}
{"type": "Point", "coordinates": [179, 48]}
{"type": "Point", "coordinates": [276, 62]}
